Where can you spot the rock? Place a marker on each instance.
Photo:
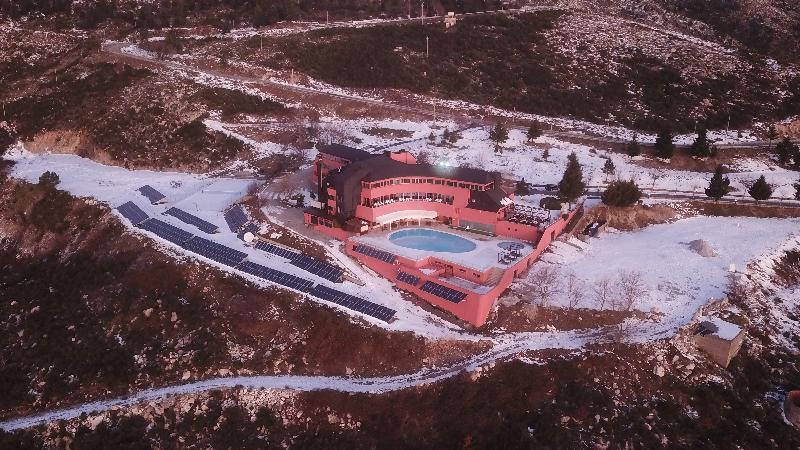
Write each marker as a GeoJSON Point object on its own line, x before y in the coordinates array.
{"type": "Point", "coordinates": [35, 309]}
{"type": "Point", "coordinates": [174, 317]}
{"type": "Point", "coordinates": [690, 367]}
{"type": "Point", "coordinates": [186, 375]}
{"type": "Point", "coordinates": [94, 422]}
{"type": "Point", "coordinates": [224, 372]}
{"type": "Point", "coordinates": [659, 371]}
{"type": "Point", "coordinates": [702, 248]}
{"type": "Point", "coordinates": [565, 419]}
{"type": "Point", "coordinates": [147, 312]}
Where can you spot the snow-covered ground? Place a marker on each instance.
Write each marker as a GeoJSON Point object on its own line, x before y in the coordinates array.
{"type": "Point", "coordinates": [677, 279]}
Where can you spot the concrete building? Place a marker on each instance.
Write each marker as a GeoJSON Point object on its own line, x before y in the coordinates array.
{"type": "Point", "coordinates": [720, 339]}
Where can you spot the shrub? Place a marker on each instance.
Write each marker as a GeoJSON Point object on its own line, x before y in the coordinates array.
{"type": "Point", "coordinates": [622, 193]}
{"type": "Point", "coordinates": [49, 180]}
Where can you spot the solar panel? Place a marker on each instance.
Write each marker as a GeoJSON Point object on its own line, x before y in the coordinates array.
{"type": "Point", "coordinates": [319, 268]}
{"type": "Point", "coordinates": [276, 276]}
{"type": "Point", "coordinates": [153, 195]}
{"type": "Point", "coordinates": [166, 231]}
{"type": "Point", "coordinates": [216, 252]}
{"type": "Point", "coordinates": [276, 250]}
{"type": "Point", "coordinates": [352, 302]}
{"type": "Point", "coordinates": [236, 218]}
{"type": "Point", "coordinates": [130, 211]}
{"type": "Point", "coordinates": [375, 253]}
{"type": "Point", "coordinates": [449, 294]}
{"type": "Point", "coordinates": [183, 216]}
{"type": "Point", "coordinates": [407, 278]}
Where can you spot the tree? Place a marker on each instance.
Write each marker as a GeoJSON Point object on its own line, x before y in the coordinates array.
{"type": "Point", "coordinates": [797, 190]}
{"type": "Point", "coordinates": [622, 193]}
{"type": "Point", "coordinates": [49, 180]}
{"type": "Point", "coordinates": [498, 134]}
{"type": "Point", "coordinates": [543, 284]}
{"type": "Point", "coordinates": [608, 167]}
{"type": "Point", "coordinates": [545, 154]}
{"type": "Point", "coordinates": [772, 134]}
{"type": "Point", "coordinates": [719, 186]}
{"type": "Point", "coordinates": [633, 149]}
{"type": "Point", "coordinates": [534, 131]}
{"type": "Point", "coordinates": [701, 147]}
{"type": "Point", "coordinates": [522, 188]}
{"type": "Point", "coordinates": [760, 190]}
{"type": "Point", "coordinates": [603, 290]}
{"type": "Point", "coordinates": [572, 185]}
{"type": "Point", "coordinates": [575, 289]}
{"type": "Point", "coordinates": [664, 146]}
{"type": "Point", "coordinates": [630, 288]}
{"type": "Point", "coordinates": [786, 150]}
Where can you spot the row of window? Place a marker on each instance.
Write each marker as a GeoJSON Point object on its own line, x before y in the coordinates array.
{"type": "Point", "coordinates": [407, 197]}
{"type": "Point", "coordinates": [320, 221]}
{"type": "Point", "coordinates": [470, 186]}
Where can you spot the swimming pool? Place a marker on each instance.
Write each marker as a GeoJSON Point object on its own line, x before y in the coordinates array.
{"type": "Point", "coordinates": [431, 240]}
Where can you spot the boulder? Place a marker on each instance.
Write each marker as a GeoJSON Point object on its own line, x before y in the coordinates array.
{"type": "Point", "coordinates": [702, 248]}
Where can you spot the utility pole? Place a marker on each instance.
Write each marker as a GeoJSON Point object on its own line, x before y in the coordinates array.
{"type": "Point", "coordinates": [426, 48]}
{"type": "Point", "coordinates": [434, 111]}
{"type": "Point", "coordinates": [422, 11]}
{"type": "Point", "coordinates": [261, 45]}
{"type": "Point", "coordinates": [327, 22]}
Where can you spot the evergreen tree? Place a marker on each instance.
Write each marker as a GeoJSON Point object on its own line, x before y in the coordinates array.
{"type": "Point", "coordinates": [760, 190]}
{"type": "Point", "coordinates": [49, 179]}
{"type": "Point", "coordinates": [772, 134]}
{"type": "Point", "coordinates": [608, 167]}
{"type": "Point", "coordinates": [522, 188]}
{"type": "Point", "coordinates": [786, 150]}
{"type": "Point", "coordinates": [545, 154]}
{"type": "Point", "coordinates": [664, 146]}
{"type": "Point", "coordinates": [622, 193]}
{"type": "Point", "coordinates": [701, 147]}
{"type": "Point", "coordinates": [633, 148]}
{"type": "Point", "coordinates": [572, 185]}
{"type": "Point", "coordinates": [498, 135]}
{"type": "Point", "coordinates": [719, 186]}
{"type": "Point", "coordinates": [534, 131]}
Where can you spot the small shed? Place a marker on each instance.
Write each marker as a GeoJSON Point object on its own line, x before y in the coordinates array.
{"type": "Point", "coordinates": [720, 339]}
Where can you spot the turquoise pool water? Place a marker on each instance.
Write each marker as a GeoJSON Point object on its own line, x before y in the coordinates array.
{"type": "Point", "coordinates": [431, 240]}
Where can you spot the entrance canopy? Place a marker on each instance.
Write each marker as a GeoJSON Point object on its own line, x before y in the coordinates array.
{"type": "Point", "coordinates": [405, 215]}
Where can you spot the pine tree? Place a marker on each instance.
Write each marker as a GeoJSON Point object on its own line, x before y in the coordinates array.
{"type": "Point", "coordinates": [545, 154]}
{"type": "Point", "coordinates": [633, 148]}
{"type": "Point", "coordinates": [446, 135]}
{"type": "Point", "coordinates": [701, 147]}
{"type": "Point", "coordinates": [572, 185]}
{"type": "Point", "coordinates": [719, 186]}
{"type": "Point", "coordinates": [498, 135]}
{"type": "Point", "coordinates": [49, 179]}
{"type": "Point", "coordinates": [772, 134]}
{"type": "Point", "coordinates": [786, 150]}
{"type": "Point", "coordinates": [522, 188]}
{"type": "Point", "coordinates": [664, 146]}
{"type": "Point", "coordinates": [608, 167]}
{"type": "Point", "coordinates": [534, 131]}
{"type": "Point", "coordinates": [622, 193]}
{"type": "Point", "coordinates": [760, 190]}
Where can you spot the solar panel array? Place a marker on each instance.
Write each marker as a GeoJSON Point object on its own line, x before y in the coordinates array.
{"type": "Point", "coordinates": [166, 231]}
{"type": "Point", "coordinates": [236, 218]}
{"type": "Point", "coordinates": [375, 253]}
{"type": "Point", "coordinates": [352, 302]}
{"type": "Point", "coordinates": [276, 276]}
{"type": "Point", "coordinates": [451, 295]}
{"type": "Point", "coordinates": [185, 217]}
{"type": "Point", "coordinates": [318, 268]}
{"type": "Point", "coordinates": [130, 211]}
{"type": "Point", "coordinates": [407, 278]}
{"type": "Point", "coordinates": [216, 252]}
{"type": "Point", "coordinates": [153, 195]}
{"type": "Point", "coordinates": [276, 250]}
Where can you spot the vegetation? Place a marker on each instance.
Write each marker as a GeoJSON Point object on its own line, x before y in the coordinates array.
{"type": "Point", "coordinates": [572, 184]}
{"type": "Point", "coordinates": [633, 149]}
{"type": "Point", "coordinates": [622, 193]}
{"type": "Point", "coordinates": [787, 151]}
{"type": "Point", "coordinates": [760, 190]}
{"type": "Point", "coordinates": [719, 186]}
{"type": "Point", "coordinates": [534, 131]}
{"type": "Point", "coordinates": [796, 190]}
{"type": "Point", "coordinates": [664, 145]}
{"type": "Point", "coordinates": [608, 167]}
{"type": "Point", "coordinates": [49, 180]}
{"type": "Point", "coordinates": [522, 187]}
{"type": "Point", "coordinates": [701, 147]}
{"type": "Point", "coordinates": [499, 135]}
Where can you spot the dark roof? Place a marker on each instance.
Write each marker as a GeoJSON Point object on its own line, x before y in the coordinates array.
{"type": "Point", "coordinates": [488, 200]}
{"type": "Point", "coordinates": [382, 168]}
{"type": "Point", "coordinates": [349, 153]}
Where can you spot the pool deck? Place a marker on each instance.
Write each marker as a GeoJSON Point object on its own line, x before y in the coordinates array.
{"type": "Point", "coordinates": [482, 258]}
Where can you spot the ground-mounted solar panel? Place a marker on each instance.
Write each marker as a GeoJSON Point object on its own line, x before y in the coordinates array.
{"type": "Point", "coordinates": [130, 211]}
{"type": "Point", "coordinates": [352, 302]}
{"type": "Point", "coordinates": [449, 294]}
{"type": "Point", "coordinates": [407, 278]}
{"type": "Point", "coordinates": [166, 231]}
{"type": "Point", "coordinates": [153, 195]}
{"type": "Point", "coordinates": [236, 218]}
{"type": "Point", "coordinates": [276, 276]}
{"type": "Point", "coordinates": [375, 253]}
{"type": "Point", "coordinates": [216, 252]}
{"type": "Point", "coordinates": [185, 217]}
{"type": "Point", "coordinates": [319, 268]}
{"type": "Point", "coordinates": [277, 250]}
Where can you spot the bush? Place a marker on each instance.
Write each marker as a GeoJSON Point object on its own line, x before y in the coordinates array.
{"type": "Point", "coordinates": [49, 180]}
{"type": "Point", "coordinates": [622, 193]}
